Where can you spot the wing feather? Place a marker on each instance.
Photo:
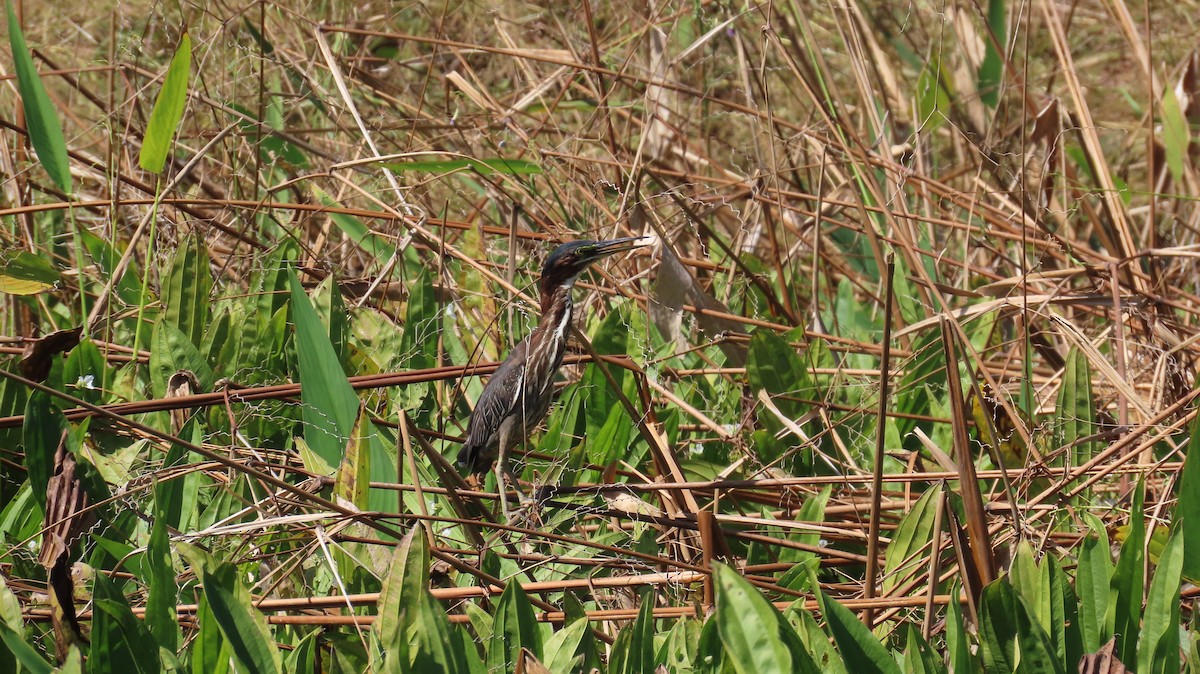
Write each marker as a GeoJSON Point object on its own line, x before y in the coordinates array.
{"type": "Point", "coordinates": [498, 401]}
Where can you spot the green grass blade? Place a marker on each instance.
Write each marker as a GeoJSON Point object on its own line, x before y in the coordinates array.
{"type": "Point", "coordinates": [44, 130]}
{"type": "Point", "coordinates": [168, 109]}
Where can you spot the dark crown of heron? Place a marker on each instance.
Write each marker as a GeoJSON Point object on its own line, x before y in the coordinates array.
{"type": "Point", "coordinates": [564, 265]}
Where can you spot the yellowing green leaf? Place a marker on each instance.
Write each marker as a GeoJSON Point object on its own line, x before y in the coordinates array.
{"type": "Point", "coordinates": [26, 274]}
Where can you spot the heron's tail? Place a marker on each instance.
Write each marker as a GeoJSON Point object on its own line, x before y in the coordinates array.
{"type": "Point", "coordinates": [472, 459]}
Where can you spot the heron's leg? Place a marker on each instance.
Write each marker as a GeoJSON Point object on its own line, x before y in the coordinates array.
{"type": "Point", "coordinates": [502, 475]}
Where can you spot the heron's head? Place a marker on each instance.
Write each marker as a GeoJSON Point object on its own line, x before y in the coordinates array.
{"type": "Point", "coordinates": [570, 260]}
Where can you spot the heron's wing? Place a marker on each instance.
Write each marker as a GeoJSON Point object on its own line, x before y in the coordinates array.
{"type": "Point", "coordinates": [497, 402]}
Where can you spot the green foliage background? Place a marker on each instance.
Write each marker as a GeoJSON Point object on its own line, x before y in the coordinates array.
{"type": "Point", "coordinates": [256, 262]}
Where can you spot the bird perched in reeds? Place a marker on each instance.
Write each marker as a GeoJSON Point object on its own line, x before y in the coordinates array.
{"type": "Point", "coordinates": [518, 396]}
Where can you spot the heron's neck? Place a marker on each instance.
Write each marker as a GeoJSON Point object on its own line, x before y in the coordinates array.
{"type": "Point", "coordinates": [556, 307]}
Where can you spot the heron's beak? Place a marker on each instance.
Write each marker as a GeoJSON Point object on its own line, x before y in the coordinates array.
{"type": "Point", "coordinates": [613, 246]}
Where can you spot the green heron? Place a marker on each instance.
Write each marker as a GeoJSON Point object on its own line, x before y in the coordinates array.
{"type": "Point", "coordinates": [518, 395]}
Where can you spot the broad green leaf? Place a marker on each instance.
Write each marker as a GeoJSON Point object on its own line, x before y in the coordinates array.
{"type": "Point", "coordinates": [179, 495]}
{"type": "Point", "coordinates": [774, 367]}
{"type": "Point", "coordinates": [73, 663]}
{"type": "Point", "coordinates": [23, 273]}
{"type": "Point", "coordinates": [859, 648]}
{"type": "Point", "coordinates": [403, 588]}
{"type": "Point", "coordinates": [331, 308]}
{"type": "Point", "coordinates": [22, 652]}
{"type": "Point", "coordinates": [187, 285]}
{"type": "Point", "coordinates": [908, 550]}
{"type": "Point", "coordinates": [1187, 512]}
{"type": "Point", "coordinates": [611, 442]}
{"type": "Point", "coordinates": [313, 462]}
{"type": "Point", "coordinates": [958, 645]}
{"type": "Point", "coordinates": [1026, 581]}
{"type": "Point", "coordinates": [482, 166]}
{"type": "Point", "coordinates": [1008, 635]}
{"type": "Point", "coordinates": [418, 342]}
{"type": "Point", "coordinates": [1093, 577]}
{"type": "Point", "coordinates": [1128, 581]}
{"type": "Point", "coordinates": [922, 374]}
{"type": "Point", "coordinates": [106, 257]}
{"type": "Point", "coordinates": [562, 647]}
{"type": "Point", "coordinates": [437, 650]}
{"type": "Point", "coordinates": [86, 373]}
{"type": "Point", "coordinates": [168, 109]}
{"type": "Point", "coordinates": [710, 651]}
{"type": "Point", "coordinates": [1176, 135]}
{"type": "Point", "coordinates": [1158, 647]}
{"type": "Point", "coordinates": [171, 351]}
{"type": "Point", "coordinates": [933, 103]}
{"type": "Point", "coordinates": [1075, 415]}
{"type": "Point", "coordinates": [919, 657]}
{"type": "Point", "coordinates": [330, 406]}
{"type": "Point", "coordinates": [991, 71]}
{"type": "Point", "coordinates": [748, 625]}
{"type": "Point", "coordinates": [123, 640]}
{"type": "Point", "coordinates": [163, 592]}
{"type": "Point", "coordinates": [303, 657]}
{"type": "Point", "coordinates": [756, 637]}
{"type": "Point", "coordinates": [1063, 623]}
{"type": "Point", "coordinates": [242, 625]}
{"type": "Point", "coordinates": [44, 129]}
{"type": "Point", "coordinates": [210, 651]}
{"type": "Point", "coordinates": [378, 247]}
{"type": "Point", "coordinates": [637, 652]}
{"type": "Point", "coordinates": [44, 426]}
{"type": "Point", "coordinates": [22, 517]}
{"type": "Point", "coordinates": [610, 338]}
{"type": "Point", "coordinates": [409, 613]}
{"type": "Point", "coordinates": [10, 606]}
{"type": "Point", "coordinates": [515, 627]}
